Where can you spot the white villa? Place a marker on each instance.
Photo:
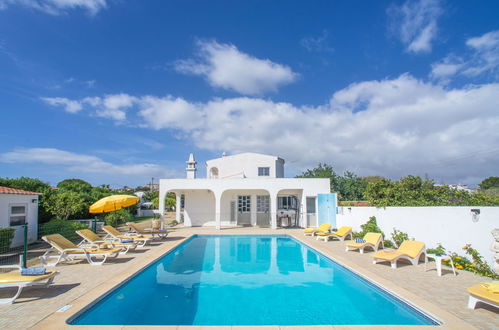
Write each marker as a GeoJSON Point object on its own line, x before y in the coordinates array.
{"type": "Point", "coordinates": [248, 189]}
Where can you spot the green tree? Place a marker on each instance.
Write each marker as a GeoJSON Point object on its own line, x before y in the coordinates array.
{"type": "Point", "coordinates": [351, 187]}
{"type": "Point", "coordinates": [414, 191]}
{"type": "Point", "coordinates": [76, 185]}
{"type": "Point", "coordinates": [35, 185]}
{"type": "Point", "coordinates": [348, 187]}
{"type": "Point", "coordinates": [170, 201]}
{"type": "Point", "coordinates": [490, 182]}
{"type": "Point", "coordinates": [65, 204]}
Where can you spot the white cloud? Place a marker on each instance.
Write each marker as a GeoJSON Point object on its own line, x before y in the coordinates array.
{"type": "Point", "coordinates": [415, 23]}
{"type": "Point", "coordinates": [388, 127]}
{"type": "Point", "coordinates": [57, 7]}
{"type": "Point", "coordinates": [224, 66]}
{"type": "Point", "coordinates": [110, 106]}
{"type": "Point", "coordinates": [482, 58]}
{"type": "Point", "coordinates": [317, 44]}
{"type": "Point", "coordinates": [70, 106]}
{"type": "Point", "coordinates": [75, 162]}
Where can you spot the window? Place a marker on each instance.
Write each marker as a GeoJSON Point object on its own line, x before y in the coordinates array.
{"type": "Point", "coordinates": [262, 203]}
{"type": "Point", "coordinates": [263, 171]}
{"type": "Point", "coordinates": [17, 216]}
{"type": "Point", "coordinates": [287, 203]}
{"type": "Point", "coordinates": [244, 204]}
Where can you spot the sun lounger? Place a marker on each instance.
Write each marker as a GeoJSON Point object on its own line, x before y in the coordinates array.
{"type": "Point", "coordinates": [15, 279]}
{"type": "Point", "coordinates": [324, 228]}
{"type": "Point", "coordinates": [92, 239]}
{"type": "Point", "coordinates": [155, 233]}
{"type": "Point", "coordinates": [63, 249]}
{"type": "Point", "coordinates": [371, 240]}
{"type": "Point", "coordinates": [341, 234]}
{"type": "Point", "coordinates": [140, 240]}
{"type": "Point", "coordinates": [409, 250]}
{"type": "Point", "coordinates": [487, 293]}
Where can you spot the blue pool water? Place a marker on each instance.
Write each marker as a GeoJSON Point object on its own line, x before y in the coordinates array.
{"type": "Point", "coordinates": [248, 280]}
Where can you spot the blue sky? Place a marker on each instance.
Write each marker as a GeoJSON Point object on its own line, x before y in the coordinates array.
{"type": "Point", "coordinates": [121, 91]}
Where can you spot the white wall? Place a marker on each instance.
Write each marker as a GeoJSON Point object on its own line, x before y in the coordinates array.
{"type": "Point", "coordinates": [199, 208]}
{"type": "Point", "coordinates": [451, 226]}
{"type": "Point", "coordinates": [246, 165]}
{"type": "Point", "coordinates": [31, 219]}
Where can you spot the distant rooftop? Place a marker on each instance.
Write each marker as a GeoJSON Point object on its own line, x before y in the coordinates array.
{"type": "Point", "coordinates": [12, 191]}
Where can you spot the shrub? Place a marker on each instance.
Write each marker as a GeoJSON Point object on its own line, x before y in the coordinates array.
{"type": "Point", "coordinates": [371, 226]}
{"type": "Point", "coordinates": [6, 236]}
{"type": "Point", "coordinates": [479, 266]}
{"type": "Point", "coordinates": [66, 228]}
{"type": "Point", "coordinates": [116, 218]}
{"type": "Point", "coordinates": [388, 244]}
{"type": "Point", "coordinates": [439, 250]}
{"type": "Point", "coordinates": [399, 236]}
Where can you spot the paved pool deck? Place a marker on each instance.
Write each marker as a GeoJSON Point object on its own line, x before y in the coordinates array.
{"type": "Point", "coordinates": [79, 284]}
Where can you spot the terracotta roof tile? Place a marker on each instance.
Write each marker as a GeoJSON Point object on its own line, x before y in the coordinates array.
{"type": "Point", "coordinates": [12, 191]}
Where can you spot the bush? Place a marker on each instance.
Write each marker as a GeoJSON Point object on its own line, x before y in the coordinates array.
{"type": "Point", "coordinates": [66, 228]}
{"type": "Point", "coordinates": [6, 236]}
{"type": "Point", "coordinates": [118, 217]}
{"type": "Point", "coordinates": [399, 236]}
{"type": "Point", "coordinates": [371, 226]}
{"type": "Point", "coordinates": [477, 265]}
{"type": "Point", "coordinates": [439, 250]}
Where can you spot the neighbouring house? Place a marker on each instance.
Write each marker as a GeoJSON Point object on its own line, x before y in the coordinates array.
{"type": "Point", "coordinates": [248, 189]}
{"type": "Point", "coordinates": [19, 207]}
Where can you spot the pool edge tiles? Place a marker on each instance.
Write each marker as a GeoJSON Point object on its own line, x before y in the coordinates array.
{"type": "Point", "coordinates": [431, 320]}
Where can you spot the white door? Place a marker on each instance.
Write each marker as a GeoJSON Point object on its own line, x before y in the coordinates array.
{"type": "Point", "coordinates": [244, 210]}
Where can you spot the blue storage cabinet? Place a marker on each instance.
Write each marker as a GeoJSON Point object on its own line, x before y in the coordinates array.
{"type": "Point", "coordinates": [327, 205]}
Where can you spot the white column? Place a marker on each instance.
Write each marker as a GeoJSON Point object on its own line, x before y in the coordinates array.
{"type": "Point", "coordinates": [253, 210]}
{"type": "Point", "coordinates": [273, 209]}
{"type": "Point", "coordinates": [218, 222]}
{"type": "Point", "coordinates": [162, 195]}
{"type": "Point", "coordinates": [303, 215]}
{"type": "Point", "coordinates": [178, 205]}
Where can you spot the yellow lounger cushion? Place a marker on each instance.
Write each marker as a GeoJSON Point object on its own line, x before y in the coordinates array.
{"type": "Point", "coordinates": [16, 277]}
{"type": "Point", "coordinates": [89, 235]}
{"type": "Point", "coordinates": [407, 248]}
{"type": "Point", "coordinates": [118, 233]}
{"type": "Point", "coordinates": [387, 255]}
{"type": "Point", "coordinates": [480, 291]}
{"type": "Point", "coordinates": [340, 232]}
{"type": "Point", "coordinates": [369, 238]}
{"type": "Point", "coordinates": [492, 287]}
{"type": "Point", "coordinates": [324, 228]}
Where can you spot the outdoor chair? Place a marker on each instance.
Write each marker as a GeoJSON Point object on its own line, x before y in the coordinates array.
{"type": "Point", "coordinates": [63, 249]}
{"type": "Point", "coordinates": [16, 279]}
{"type": "Point", "coordinates": [487, 293]}
{"type": "Point", "coordinates": [371, 240]}
{"type": "Point", "coordinates": [324, 228]}
{"type": "Point", "coordinates": [113, 233]}
{"type": "Point", "coordinates": [409, 250]}
{"type": "Point", "coordinates": [148, 231]}
{"type": "Point", "coordinates": [92, 239]}
{"type": "Point", "coordinates": [341, 234]}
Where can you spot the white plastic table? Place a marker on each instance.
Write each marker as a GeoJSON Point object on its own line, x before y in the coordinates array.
{"type": "Point", "coordinates": [438, 262]}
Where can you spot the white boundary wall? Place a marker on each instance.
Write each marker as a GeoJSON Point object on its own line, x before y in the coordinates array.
{"type": "Point", "coordinates": [451, 226]}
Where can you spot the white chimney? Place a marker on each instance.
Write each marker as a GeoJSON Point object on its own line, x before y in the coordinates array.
{"type": "Point", "coordinates": [191, 167]}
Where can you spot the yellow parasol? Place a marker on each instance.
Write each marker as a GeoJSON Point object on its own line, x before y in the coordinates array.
{"type": "Point", "coordinates": [113, 203]}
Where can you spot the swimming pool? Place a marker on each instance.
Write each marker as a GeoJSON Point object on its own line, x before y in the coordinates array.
{"type": "Point", "coordinates": [248, 280]}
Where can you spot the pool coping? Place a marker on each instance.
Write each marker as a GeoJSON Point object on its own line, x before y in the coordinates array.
{"type": "Point", "coordinates": [58, 319]}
